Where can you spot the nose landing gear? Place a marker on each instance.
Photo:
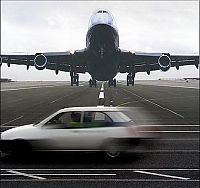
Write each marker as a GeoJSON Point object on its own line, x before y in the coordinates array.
{"type": "Point", "coordinates": [92, 82]}
{"type": "Point", "coordinates": [112, 82]}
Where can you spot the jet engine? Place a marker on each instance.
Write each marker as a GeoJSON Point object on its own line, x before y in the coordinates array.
{"type": "Point", "coordinates": [164, 62]}
{"type": "Point", "coordinates": [40, 61]}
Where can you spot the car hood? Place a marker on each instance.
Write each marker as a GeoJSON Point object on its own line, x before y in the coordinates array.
{"type": "Point", "coordinates": [15, 132]}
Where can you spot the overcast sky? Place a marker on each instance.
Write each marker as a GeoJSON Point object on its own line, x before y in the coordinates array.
{"type": "Point", "coordinates": [160, 26]}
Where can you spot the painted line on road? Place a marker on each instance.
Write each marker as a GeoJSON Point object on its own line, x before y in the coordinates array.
{"type": "Point", "coordinates": [101, 95]}
{"type": "Point", "coordinates": [12, 120]}
{"type": "Point", "coordinates": [24, 174]}
{"type": "Point", "coordinates": [158, 85]}
{"type": "Point", "coordinates": [164, 108]}
{"type": "Point", "coordinates": [34, 87]}
{"type": "Point", "coordinates": [104, 169]}
{"type": "Point", "coordinates": [99, 180]}
{"type": "Point", "coordinates": [187, 87]}
{"type": "Point", "coordinates": [10, 126]}
{"type": "Point", "coordinates": [162, 175]}
{"type": "Point", "coordinates": [36, 175]}
{"type": "Point", "coordinates": [102, 86]}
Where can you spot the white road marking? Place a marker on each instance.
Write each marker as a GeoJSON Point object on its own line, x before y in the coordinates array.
{"type": "Point", "coordinates": [12, 120]}
{"type": "Point", "coordinates": [102, 87]}
{"type": "Point", "coordinates": [60, 98]}
{"type": "Point", "coordinates": [99, 180]}
{"type": "Point", "coordinates": [33, 87]}
{"type": "Point", "coordinates": [101, 95]}
{"type": "Point", "coordinates": [187, 87]}
{"type": "Point", "coordinates": [62, 174]}
{"type": "Point", "coordinates": [56, 100]}
{"type": "Point", "coordinates": [154, 103]}
{"type": "Point", "coordinates": [162, 175]}
{"type": "Point", "coordinates": [10, 126]}
{"type": "Point", "coordinates": [24, 174]}
{"type": "Point", "coordinates": [105, 169]}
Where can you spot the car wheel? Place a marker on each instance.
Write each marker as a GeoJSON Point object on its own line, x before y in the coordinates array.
{"type": "Point", "coordinates": [112, 150]}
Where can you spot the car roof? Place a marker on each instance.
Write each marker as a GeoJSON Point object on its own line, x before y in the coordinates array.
{"type": "Point", "coordinates": [91, 108]}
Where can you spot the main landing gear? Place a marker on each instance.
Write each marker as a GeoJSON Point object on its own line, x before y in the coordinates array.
{"type": "Point", "coordinates": [74, 78]}
{"type": "Point", "coordinates": [92, 82]}
{"type": "Point", "coordinates": [112, 82]}
{"type": "Point", "coordinates": [130, 79]}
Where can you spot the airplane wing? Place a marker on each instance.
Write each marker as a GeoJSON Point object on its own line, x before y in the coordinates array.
{"type": "Point", "coordinates": [57, 61]}
{"type": "Point", "coordinates": [147, 62]}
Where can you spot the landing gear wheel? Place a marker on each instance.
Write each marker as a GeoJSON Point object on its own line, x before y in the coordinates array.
{"type": "Point", "coordinates": [74, 79]}
{"type": "Point", "coordinates": [112, 82]}
{"type": "Point", "coordinates": [92, 82]}
{"type": "Point", "coordinates": [130, 79]}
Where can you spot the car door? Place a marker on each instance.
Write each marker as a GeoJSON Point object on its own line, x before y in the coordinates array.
{"type": "Point", "coordinates": [61, 132]}
{"type": "Point", "coordinates": [94, 130]}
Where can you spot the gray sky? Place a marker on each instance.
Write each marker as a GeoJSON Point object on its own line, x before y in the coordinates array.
{"type": "Point", "coordinates": [160, 26]}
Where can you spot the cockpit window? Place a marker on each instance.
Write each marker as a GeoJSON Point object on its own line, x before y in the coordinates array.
{"type": "Point", "coordinates": [102, 17]}
{"type": "Point", "coordinates": [102, 11]}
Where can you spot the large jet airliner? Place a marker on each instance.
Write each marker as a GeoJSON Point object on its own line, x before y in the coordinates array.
{"type": "Point", "coordinates": [102, 58]}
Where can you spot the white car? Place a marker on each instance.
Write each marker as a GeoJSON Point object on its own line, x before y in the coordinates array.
{"type": "Point", "coordinates": [76, 129]}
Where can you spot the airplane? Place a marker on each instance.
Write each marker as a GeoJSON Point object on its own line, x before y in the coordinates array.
{"type": "Point", "coordinates": [102, 58]}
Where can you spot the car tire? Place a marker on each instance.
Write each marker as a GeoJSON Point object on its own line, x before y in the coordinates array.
{"type": "Point", "coordinates": [112, 149]}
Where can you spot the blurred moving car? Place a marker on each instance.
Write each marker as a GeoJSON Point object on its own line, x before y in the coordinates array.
{"type": "Point", "coordinates": [76, 129]}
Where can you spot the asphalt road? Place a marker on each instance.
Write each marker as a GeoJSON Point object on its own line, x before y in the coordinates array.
{"type": "Point", "coordinates": [173, 163]}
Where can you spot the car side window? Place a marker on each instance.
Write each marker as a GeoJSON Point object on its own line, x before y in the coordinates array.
{"type": "Point", "coordinates": [96, 119]}
{"type": "Point", "coordinates": [65, 120]}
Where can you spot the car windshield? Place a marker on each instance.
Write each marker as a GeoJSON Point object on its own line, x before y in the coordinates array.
{"type": "Point", "coordinates": [118, 117]}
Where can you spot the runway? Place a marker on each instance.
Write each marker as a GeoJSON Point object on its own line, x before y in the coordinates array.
{"type": "Point", "coordinates": [173, 106]}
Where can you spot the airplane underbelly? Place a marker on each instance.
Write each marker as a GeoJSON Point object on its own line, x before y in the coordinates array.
{"type": "Point", "coordinates": [103, 69]}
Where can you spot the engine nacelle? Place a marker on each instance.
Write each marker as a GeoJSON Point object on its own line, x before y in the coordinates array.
{"type": "Point", "coordinates": [40, 61]}
{"type": "Point", "coordinates": [164, 62]}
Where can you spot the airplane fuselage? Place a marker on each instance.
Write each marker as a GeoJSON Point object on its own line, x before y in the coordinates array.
{"type": "Point", "coordinates": [102, 43]}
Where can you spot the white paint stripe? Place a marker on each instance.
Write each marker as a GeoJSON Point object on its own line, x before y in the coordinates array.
{"type": "Point", "coordinates": [23, 174]}
{"type": "Point", "coordinates": [187, 87]}
{"type": "Point", "coordinates": [155, 103]}
{"type": "Point", "coordinates": [34, 87]}
{"type": "Point", "coordinates": [105, 169]}
{"type": "Point", "coordinates": [99, 180]}
{"type": "Point", "coordinates": [10, 126]}
{"type": "Point", "coordinates": [102, 86]}
{"type": "Point", "coordinates": [162, 175]}
{"type": "Point", "coordinates": [63, 174]}
{"type": "Point", "coordinates": [101, 95]}
{"type": "Point", "coordinates": [124, 103]}
{"type": "Point", "coordinates": [56, 100]}
{"type": "Point", "coordinates": [12, 120]}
